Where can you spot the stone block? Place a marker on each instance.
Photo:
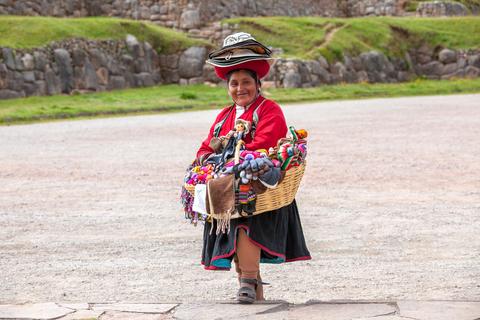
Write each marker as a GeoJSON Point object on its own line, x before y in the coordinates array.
{"type": "Point", "coordinates": [472, 72]}
{"type": "Point", "coordinates": [39, 75]}
{"type": "Point", "coordinates": [53, 83]}
{"type": "Point", "coordinates": [449, 68]}
{"type": "Point", "coordinates": [461, 63]}
{"type": "Point", "coordinates": [190, 18]}
{"type": "Point", "coordinates": [208, 311]}
{"type": "Point", "coordinates": [439, 310]}
{"type": "Point", "coordinates": [304, 73]}
{"type": "Point", "coordinates": [28, 61]}
{"type": "Point", "coordinates": [97, 57]}
{"type": "Point", "coordinates": [79, 56]}
{"type": "Point", "coordinates": [191, 62]}
{"type": "Point", "coordinates": [86, 314]}
{"type": "Point", "coordinates": [29, 76]}
{"type": "Point", "coordinates": [209, 74]}
{"type": "Point", "coordinates": [346, 311]}
{"type": "Point", "coordinates": [170, 76]}
{"type": "Point", "coordinates": [40, 60]}
{"type": "Point", "coordinates": [357, 64]}
{"type": "Point", "coordinates": [65, 70]}
{"type": "Point", "coordinates": [143, 79]}
{"type": "Point", "coordinates": [350, 77]}
{"type": "Point", "coordinates": [404, 76]}
{"type": "Point", "coordinates": [169, 61]}
{"type": "Point", "coordinates": [90, 75]}
{"type": "Point", "coordinates": [144, 13]}
{"type": "Point", "coordinates": [15, 80]}
{"type": "Point", "coordinates": [8, 58]}
{"type": "Point", "coordinates": [34, 311]}
{"type": "Point", "coordinates": [474, 60]}
{"type": "Point", "coordinates": [447, 56]}
{"type": "Point", "coordinates": [139, 307]}
{"type": "Point", "coordinates": [117, 82]}
{"type": "Point", "coordinates": [41, 88]}
{"type": "Point", "coordinates": [433, 68]}
{"type": "Point", "coordinates": [314, 67]}
{"type": "Point", "coordinates": [116, 315]}
{"type": "Point", "coordinates": [196, 80]}
{"type": "Point", "coordinates": [133, 46]}
{"type": "Point", "coordinates": [374, 61]}
{"type": "Point", "coordinates": [102, 76]}
{"type": "Point", "coordinates": [8, 94]}
{"type": "Point", "coordinates": [29, 88]}
{"type": "Point", "coordinates": [292, 79]}
{"type": "Point", "coordinates": [139, 65]}
{"type": "Point", "coordinates": [19, 63]}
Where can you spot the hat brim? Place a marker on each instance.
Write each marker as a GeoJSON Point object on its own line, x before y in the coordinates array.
{"type": "Point", "coordinates": [260, 67]}
{"type": "Point", "coordinates": [249, 44]}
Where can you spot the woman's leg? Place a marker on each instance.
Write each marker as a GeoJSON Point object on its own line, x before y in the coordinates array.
{"type": "Point", "coordinates": [248, 256]}
{"type": "Point", "coordinates": [247, 262]}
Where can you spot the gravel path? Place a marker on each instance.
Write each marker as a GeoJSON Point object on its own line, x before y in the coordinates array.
{"type": "Point", "coordinates": [390, 205]}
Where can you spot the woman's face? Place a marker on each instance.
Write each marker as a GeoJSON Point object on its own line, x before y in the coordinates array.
{"type": "Point", "coordinates": [242, 88]}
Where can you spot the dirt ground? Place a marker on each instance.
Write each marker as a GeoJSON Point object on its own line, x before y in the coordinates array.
{"type": "Point", "coordinates": [390, 206]}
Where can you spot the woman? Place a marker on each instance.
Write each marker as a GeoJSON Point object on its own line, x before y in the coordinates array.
{"type": "Point", "coordinates": [271, 237]}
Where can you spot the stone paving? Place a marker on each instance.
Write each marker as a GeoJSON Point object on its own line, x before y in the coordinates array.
{"type": "Point", "coordinates": [312, 310]}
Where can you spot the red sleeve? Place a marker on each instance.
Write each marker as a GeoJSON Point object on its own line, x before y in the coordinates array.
{"type": "Point", "coordinates": [204, 149]}
{"type": "Point", "coordinates": [271, 127]}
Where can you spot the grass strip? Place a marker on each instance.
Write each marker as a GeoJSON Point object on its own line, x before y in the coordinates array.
{"type": "Point", "coordinates": [32, 32]}
{"type": "Point", "coordinates": [175, 98]}
{"type": "Point", "coordinates": [309, 37]}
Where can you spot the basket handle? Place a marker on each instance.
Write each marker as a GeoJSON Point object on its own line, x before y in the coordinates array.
{"type": "Point", "coordinates": [239, 145]}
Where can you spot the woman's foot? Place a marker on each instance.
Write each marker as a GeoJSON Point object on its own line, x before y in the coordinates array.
{"type": "Point", "coordinates": [247, 292]}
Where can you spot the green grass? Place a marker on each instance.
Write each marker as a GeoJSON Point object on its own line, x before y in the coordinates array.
{"type": "Point", "coordinates": [174, 98]}
{"type": "Point", "coordinates": [305, 37]}
{"type": "Point", "coordinates": [32, 32]}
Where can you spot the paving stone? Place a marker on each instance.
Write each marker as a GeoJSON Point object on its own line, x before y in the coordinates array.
{"type": "Point", "coordinates": [439, 310]}
{"type": "Point", "coordinates": [208, 311]}
{"type": "Point", "coordinates": [117, 315]}
{"type": "Point", "coordinates": [75, 306]}
{"type": "Point", "coordinates": [132, 307]}
{"type": "Point", "coordinates": [346, 311]}
{"type": "Point", "coordinates": [280, 315]}
{"type": "Point", "coordinates": [48, 310]}
{"type": "Point", "coordinates": [83, 314]}
{"type": "Point", "coordinates": [384, 318]}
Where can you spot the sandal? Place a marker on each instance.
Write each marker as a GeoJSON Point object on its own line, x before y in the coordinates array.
{"type": "Point", "coordinates": [246, 293]}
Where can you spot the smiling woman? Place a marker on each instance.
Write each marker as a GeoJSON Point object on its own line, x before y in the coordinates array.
{"type": "Point", "coordinates": [243, 86]}
{"type": "Point", "coordinates": [257, 123]}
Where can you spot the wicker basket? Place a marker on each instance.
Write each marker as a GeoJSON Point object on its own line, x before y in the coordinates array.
{"type": "Point", "coordinates": [274, 198]}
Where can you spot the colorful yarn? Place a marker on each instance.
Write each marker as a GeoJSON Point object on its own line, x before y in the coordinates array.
{"type": "Point", "coordinates": [199, 175]}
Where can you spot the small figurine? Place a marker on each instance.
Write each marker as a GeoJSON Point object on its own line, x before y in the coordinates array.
{"type": "Point", "coordinates": [241, 129]}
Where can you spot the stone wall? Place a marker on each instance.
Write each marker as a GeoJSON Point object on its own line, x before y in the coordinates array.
{"type": "Point", "coordinates": [375, 67]}
{"type": "Point", "coordinates": [440, 8]}
{"type": "Point", "coordinates": [193, 14]}
{"type": "Point", "coordinates": [83, 66]}
{"type": "Point", "coordinates": [446, 63]}
{"type": "Point", "coordinates": [357, 8]}
{"type": "Point", "coordinates": [78, 65]}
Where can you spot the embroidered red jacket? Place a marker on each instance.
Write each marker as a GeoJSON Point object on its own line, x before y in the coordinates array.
{"type": "Point", "coordinates": [270, 127]}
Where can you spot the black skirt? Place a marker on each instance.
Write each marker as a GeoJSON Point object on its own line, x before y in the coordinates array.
{"type": "Point", "coordinates": [278, 233]}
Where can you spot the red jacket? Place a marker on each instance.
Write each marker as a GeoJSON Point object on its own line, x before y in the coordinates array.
{"type": "Point", "coordinates": [270, 127]}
